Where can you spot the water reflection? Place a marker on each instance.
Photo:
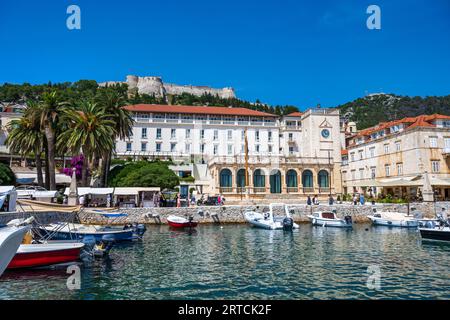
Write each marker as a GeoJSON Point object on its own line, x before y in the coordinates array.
{"type": "Point", "coordinates": [239, 262]}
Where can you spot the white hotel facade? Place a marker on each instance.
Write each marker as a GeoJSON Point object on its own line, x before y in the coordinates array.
{"type": "Point", "coordinates": [288, 157]}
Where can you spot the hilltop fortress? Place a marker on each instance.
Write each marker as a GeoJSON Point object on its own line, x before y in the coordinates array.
{"type": "Point", "coordinates": [155, 86]}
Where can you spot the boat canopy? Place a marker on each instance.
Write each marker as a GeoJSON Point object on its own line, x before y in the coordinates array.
{"type": "Point", "coordinates": [8, 193]}
{"type": "Point", "coordinates": [128, 191]}
{"type": "Point", "coordinates": [82, 191]}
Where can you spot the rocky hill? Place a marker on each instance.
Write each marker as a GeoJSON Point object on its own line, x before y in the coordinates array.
{"type": "Point", "coordinates": [372, 109]}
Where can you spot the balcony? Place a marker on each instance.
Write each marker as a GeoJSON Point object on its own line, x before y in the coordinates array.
{"type": "Point", "coordinates": [446, 152]}
{"type": "Point", "coordinates": [259, 189]}
{"type": "Point", "coordinates": [292, 189]}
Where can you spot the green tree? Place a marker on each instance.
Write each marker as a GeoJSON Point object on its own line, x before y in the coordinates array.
{"type": "Point", "coordinates": [7, 176]}
{"type": "Point", "coordinates": [89, 130]}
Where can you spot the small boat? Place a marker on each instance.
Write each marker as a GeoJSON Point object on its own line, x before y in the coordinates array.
{"type": "Point", "coordinates": [436, 231]}
{"type": "Point", "coordinates": [393, 219]}
{"type": "Point", "coordinates": [45, 254]}
{"type": "Point", "coordinates": [180, 222]}
{"type": "Point", "coordinates": [330, 219]}
{"type": "Point", "coordinates": [11, 236]}
{"type": "Point", "coordinates": [76, 231]}
{"type": "Point", "coordinates": [268, 221]}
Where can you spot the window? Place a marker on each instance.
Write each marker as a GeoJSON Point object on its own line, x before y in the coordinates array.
{"type": "Point", "coordinates": [144, 146]}
{"type": "Point", "coordinates": [433, 142]}
{"type": "Point", "coordinates": [230, 135]}
{"type": "Point", "coordinates": [270, 149]}
{"type": "Point", "coordinates": [373, 173]}
{"type": "Point", "coordinates": [353, 174]}
{"type": "Point", "coordinates": [270, 136]}
{"type": "Point", "coordinates": [173, 133]}
{"type": "Point", "coordinates": [291, 136]}
{"type": "Point", "coordinates": [158, 147]}
{"type": "Point", "coordinates": [202, 134]}
{"type": "Point", "coordinates": [128, 146]}
{"type": "Point", "coordinates": [361, 173]}
{"type": "Point", "coordinates": [386, 148]}
{"type": "Point", "coordinates": [188, 133]}
{"type": "Point", "coordinates": [202, 148]}
{"type": "Point", "coordinates": [399, 169]}
{"type": "Point", "coordinates": [230, 149]}
{"type": "Point", "coordinates": [361, 154]}
{"type": "Point", "coordinates": [215, 149]}
{"type": "Point", "coordinates": [173, 147]}
{"type": "Point", "coordinates": [372, 152]}
{"type": "Point", "coordinates": [291, 150]}
{"type": "Point", "coordinates": [158, 133]}
{"type": "Point", "coordinates": [352, 156]}
{"type": "Point", "coordinates": [435, 166]}
{"type": "Point", "coordinates": [398, 146]}
{"type": "Point", "coordinates": [447, 144]}
{"type": "Point", "coordinates": [243, 135]}
{"type": "Point", "coordinates": [144, 133]}
{"type": "Point", "coordinates": [257, 148]}
{"type": "Point", "coordinates": [216, 134]}
{"type": "Point", "coordinates": [388, 170]}
{"type": "Point", "coordinates": [257, 135]}
{"type": "Point", "coordinates": [188, 148]}
{"type": "Point", "coordinates": [242, 148]}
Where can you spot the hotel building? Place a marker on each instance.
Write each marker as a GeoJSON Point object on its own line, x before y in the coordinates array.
{"type": "Point", "coordinates": [394, 158]}
{"type": "Point", "coordinates": [288, 157]}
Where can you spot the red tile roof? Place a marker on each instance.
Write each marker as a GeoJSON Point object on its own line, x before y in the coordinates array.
{"type": "Point", "coordinates": [344, 152]}
{"type": "Point", "coordinates": [155, 108]}
{"type": "Point", "coordinates": [294, 114]}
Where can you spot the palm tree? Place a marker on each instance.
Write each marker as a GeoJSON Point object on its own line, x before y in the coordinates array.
{"type": "Point", "coordinates": [113, 101]}
{"type": "Point", "coordinates": [25, 137]}
{"type": "Point", "coordinates": [49, 111]}
{"type": "Point", "coordinates": [89, 130]}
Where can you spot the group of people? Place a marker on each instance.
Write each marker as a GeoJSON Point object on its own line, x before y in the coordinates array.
{"type": "Point", "coordinates": [357, 199]}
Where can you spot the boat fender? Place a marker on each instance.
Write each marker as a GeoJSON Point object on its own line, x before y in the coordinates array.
{"type": "Point", "coordinates": [288, 224]}
{"type": "Point", "coordinates": [348, 219]}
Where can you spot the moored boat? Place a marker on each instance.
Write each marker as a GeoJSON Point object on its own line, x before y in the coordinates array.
{"type": "Point", "coordinates": [180, 222]}
{"type": "Point", "coordinates": [268, 221]}
{"type": "Point", "coordinates": [436, 231]}
{"type": "Point", "coordinates": [45, 254]}
{"type": "Point", "coordinates": [330, 219]}
{"type": "Point", "coordinates": [76, 231]}
{"type": "Point", "coordinates": [393, 219]}
{"type": "Point", "coordinates": [11, 237]}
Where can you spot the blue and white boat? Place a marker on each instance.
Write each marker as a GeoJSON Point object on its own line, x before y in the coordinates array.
{"type": "Point", "coordinates": [76, 231]}
{"type": "Point", "coordinates": [269, 221]}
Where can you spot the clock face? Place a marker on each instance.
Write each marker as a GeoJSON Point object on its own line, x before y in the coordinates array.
{"type": "Point", "coordinates": [325, 133]}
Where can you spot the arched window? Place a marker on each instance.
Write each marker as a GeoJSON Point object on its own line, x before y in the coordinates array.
{"type": "Point", "coordinates": [225, 178]}
{"type": "Point", "coordinates": [324, 182]}
{"type": "Point", "coordinates": [240, 178]}
{"type": "Point", "coordinates": [275, 182]}
{"type": "Point", "coordinates": [307, 179]}
{"type": "Point", "coordinates": [259, 179]}
{"type": "Point", "coordinates": [291, 179]}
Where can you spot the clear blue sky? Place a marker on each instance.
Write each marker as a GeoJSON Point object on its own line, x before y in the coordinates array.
{"type": "Point", "coordinates": [281, 52]}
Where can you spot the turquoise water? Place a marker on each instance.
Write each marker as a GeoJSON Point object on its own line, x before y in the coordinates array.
{"type": "Point", "coordinates": [239, 262]}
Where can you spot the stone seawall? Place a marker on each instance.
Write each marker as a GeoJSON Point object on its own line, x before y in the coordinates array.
{"type": "Point", "coordinates": [40, 217]}
{"type": "Point", "coordinates": [235, 214]}
{"type": "Point", "coordinates": [226, 214]}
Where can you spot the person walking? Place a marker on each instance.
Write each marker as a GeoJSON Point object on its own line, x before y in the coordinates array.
{"type": "Point", "coordinates": [308, 201]}
{"type": "Point", "coordinates": [330, 200]}
{"type": "Point", "coordinates": [362, 200]}
{"type": "Point", "coordinates": [355, 200]}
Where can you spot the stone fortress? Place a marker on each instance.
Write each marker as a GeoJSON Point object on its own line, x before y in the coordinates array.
{"type": "Point", "coordinates": [155, 86]}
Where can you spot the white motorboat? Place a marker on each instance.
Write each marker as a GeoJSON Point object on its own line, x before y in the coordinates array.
{"type": "Point", "coordinates": [438, 230]}
{"type": "Point", "coordinates": [393, 219]}
{"type": "Point", "coordinates": [11, 237]}
{"type": "Point", "coordinates": [269, 221]}
{"type": "Point", "coordinates": [330, 219]}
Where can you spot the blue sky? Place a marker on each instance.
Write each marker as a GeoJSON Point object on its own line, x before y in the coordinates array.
{"type": "Point", "coordinates": [281, 52]}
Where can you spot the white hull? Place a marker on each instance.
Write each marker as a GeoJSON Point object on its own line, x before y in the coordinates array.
{"type": "Point", "coordinates": [258, 220]}
{"type": "Point", "coordinates": [405, 223]}
{"type": "Point", "coordinates": [323, 222]}
{"type": "Point", "coordinates": [10, 239]}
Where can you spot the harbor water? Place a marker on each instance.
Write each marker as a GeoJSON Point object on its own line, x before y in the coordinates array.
{"type": "Point", "coordinates": [240, 262]}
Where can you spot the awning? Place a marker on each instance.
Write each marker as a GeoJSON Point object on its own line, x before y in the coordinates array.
{"type": "Point", "coordinates": [435, 181]}
{"type": "Point", "coordinates": [29, 178]}
{"type": "Point", "coordinates": [129, 191]}
{"type": "Point", "coordinates": [86, 190]}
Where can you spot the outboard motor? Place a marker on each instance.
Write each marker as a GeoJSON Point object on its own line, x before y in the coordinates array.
{"type": "Point", "coordinates": [139, 230]}
{"type": "Point", "coordinates": [348, 219]}
{"type": "Point", "coordinates": [288, 224]}
{"type": "Point", "coordinates": [104, 246]}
